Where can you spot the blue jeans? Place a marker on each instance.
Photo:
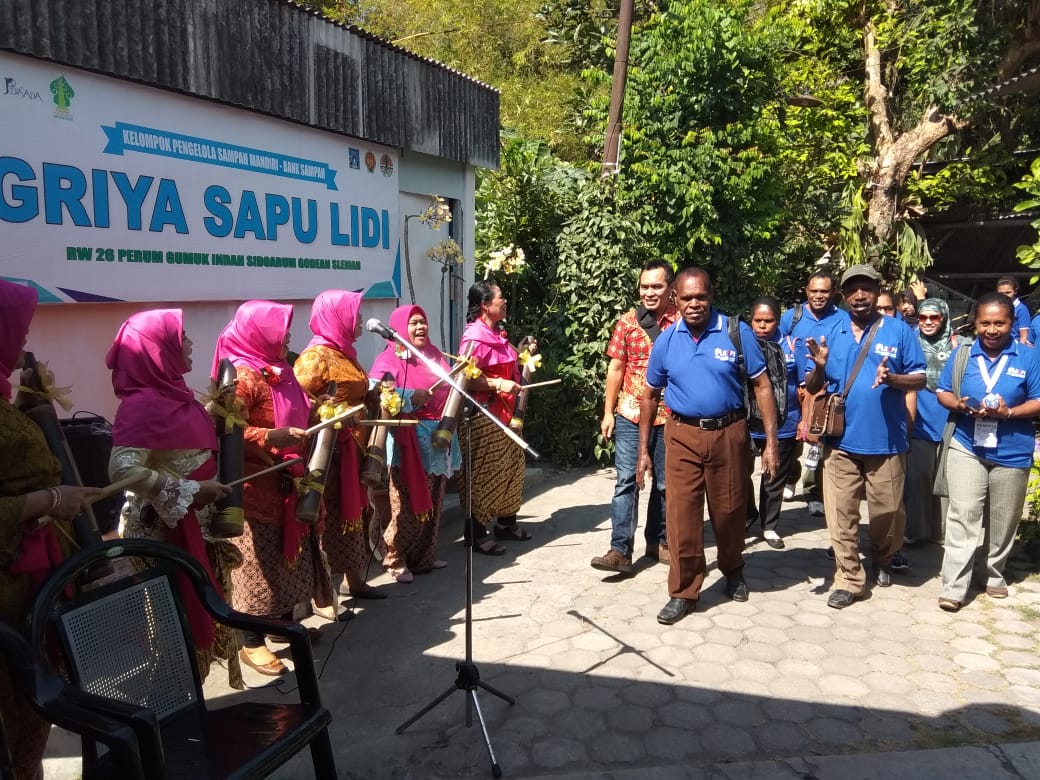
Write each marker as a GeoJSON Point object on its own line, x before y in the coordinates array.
{"type": "Point", "coordinates": [624, 507]}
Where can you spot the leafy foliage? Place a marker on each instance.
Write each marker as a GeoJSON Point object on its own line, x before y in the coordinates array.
{"type": "Point", "coordinates": [1029, 254]}
{"type": "Point", "coordinates": [699, 174]}
{"type": "Point", "coordinates": [501, 42]}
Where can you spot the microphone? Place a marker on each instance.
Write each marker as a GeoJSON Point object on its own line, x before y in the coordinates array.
{"type": "Point", "coordinates": [375, 326]}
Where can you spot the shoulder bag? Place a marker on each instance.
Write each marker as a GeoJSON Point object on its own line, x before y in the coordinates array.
{"type": "Point", "coordinates": [827, 415]}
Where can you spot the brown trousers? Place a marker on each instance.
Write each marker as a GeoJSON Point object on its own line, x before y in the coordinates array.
{"type": "Point", "coordinates": [699, 464]}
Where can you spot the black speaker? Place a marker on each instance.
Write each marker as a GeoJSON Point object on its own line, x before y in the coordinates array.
{"type": "Point", "coordinates": [90, 439]}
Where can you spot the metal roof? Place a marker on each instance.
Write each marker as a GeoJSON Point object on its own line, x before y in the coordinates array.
{"type": "Point", "coordinates": [274, 56]}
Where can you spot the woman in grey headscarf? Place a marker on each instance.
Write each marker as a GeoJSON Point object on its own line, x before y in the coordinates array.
{"type": "Point", "coordinates": [924, 512]}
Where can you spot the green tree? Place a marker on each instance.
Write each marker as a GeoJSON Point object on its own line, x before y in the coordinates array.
{"type": "Point", "coordinates": [699, 171]}
{"type": "Point", "coordinates": [503, 43]}
{"type": "Point", "coordinates": [923, 65]}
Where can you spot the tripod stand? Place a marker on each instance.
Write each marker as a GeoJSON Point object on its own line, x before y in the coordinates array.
{"type": "Point", "coordinates": [468, 679]}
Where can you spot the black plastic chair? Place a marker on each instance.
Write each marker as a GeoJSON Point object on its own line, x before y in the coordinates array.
{"type": "Point", "coordinates": [71, 709]}
{"type": "Point", "coordinates": [129, 643]}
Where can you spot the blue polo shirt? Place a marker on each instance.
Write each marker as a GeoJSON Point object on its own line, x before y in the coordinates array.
{"type": "Point", "coordinates": [931, 416]}
{"type": "Point", "coordinates": [875, 417]}
{"type": "Point", "coordinates": [700, 376]}
{"type": "Point", "coordinates": [1034, 331]}
{"type": "Point", "coordinates": [808, 326]}
{"type": "Point", "coordinates": [1018, 382]}
{"type": "Point", "coordinates": [1021, 318]}
{"type": "Point", "coordinates": [794, 412]}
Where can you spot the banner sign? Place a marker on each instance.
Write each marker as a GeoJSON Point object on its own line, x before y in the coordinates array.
{"type": "Point", "coordinates": [110, 190]}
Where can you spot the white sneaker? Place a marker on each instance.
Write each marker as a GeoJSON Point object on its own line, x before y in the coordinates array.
{"type": "Point", "coordinates": [788, 492]}
{"type": "Point", "coordinates": [816, 508]}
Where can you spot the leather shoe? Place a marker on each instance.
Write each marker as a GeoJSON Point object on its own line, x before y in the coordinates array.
{"type": "Point", "coordinates": [773, 540]}
{"type": "Point", "coordinates": [675, 610]}
{"type": "Point", "coordinates": [736, 588]}
{"type": "Point", "coordinates": [840, 599]}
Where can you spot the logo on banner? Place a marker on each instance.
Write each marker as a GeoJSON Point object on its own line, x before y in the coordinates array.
{"type": "Point", "coordinates": [12, 89]}
{"type": "Point", "coordinates": [354, 155]}
{"type": "Point", "coordinates": [370, 161]}
{"type": "Point", "coordinates": [63, 94]}
{"type": "Point", "coordinates": [386, 165]}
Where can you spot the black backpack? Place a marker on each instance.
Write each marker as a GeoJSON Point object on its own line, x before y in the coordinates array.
{"type": "Point", "coordinates": [776, 369]}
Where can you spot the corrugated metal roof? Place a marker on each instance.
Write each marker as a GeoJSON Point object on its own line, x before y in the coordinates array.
{"type": "Point", "coordinates": [274, 56]}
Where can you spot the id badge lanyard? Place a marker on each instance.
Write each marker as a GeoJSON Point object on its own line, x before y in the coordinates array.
{"type": "Point", "coordinates": [985, 428]}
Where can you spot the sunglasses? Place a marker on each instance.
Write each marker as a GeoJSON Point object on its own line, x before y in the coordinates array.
{"type": "Point", "coordinates": [929, 318]}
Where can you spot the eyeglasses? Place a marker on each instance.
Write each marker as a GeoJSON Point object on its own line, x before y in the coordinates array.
{"type": "Point", "coordinates": [929, 318]}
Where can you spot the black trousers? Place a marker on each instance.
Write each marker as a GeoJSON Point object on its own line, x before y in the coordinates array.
{"type": "Point", "coordinates": [771, 491]}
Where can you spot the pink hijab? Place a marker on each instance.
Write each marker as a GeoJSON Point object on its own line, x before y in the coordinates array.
{"type": "Point", "coordinates": [17, 305]}
{"type": "Point", "coordinates": [411, 373]}
{"type": "Point", "coordinates": [254, 338]}
{"type": "Point", "coordinates": [157, 410]}
{"type": "Point", "coordinates": [334, 320]}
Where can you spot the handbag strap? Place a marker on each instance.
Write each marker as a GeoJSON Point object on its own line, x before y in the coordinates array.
{"type": "Point", "coordinates": [960, 363]}
{"type": "Point", "coordinates": [868, 339]}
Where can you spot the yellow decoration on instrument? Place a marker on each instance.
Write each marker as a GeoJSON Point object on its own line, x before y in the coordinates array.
{"type": "Point", "coordinates": [471, 371]}
{"type": "Point", "coordinates": [527, 360]}
{"type": "Point", "coordinates": [390, 401]}
{"type": "Point", "coordinates": [310, 481]}
{"type": "Point", "coordinates": [329, 410]}
{"type": "Point", "coordinates": [50, 392]}
{"type": "Point", "coordinates": [232, 417]}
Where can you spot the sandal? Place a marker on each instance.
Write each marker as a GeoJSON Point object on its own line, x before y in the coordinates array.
{"type": "Point", "coordinates": [489, 547]}
{"type": "Point", "coordinates": [949, 605]}
{"type": "Point", "coordinates": [273, 668]}
{"type": "Point", "coordinates": [400, 574]}
{"type": "Point", "coordinates": [512, 533]}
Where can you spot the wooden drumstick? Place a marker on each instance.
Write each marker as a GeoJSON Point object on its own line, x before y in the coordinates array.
{"type": "Point", "coordinates": [262, 472]}
{"type": "Point", "coordinates": [546, 383]}
{"type": "Point", "coordinates": [458, 367]}
{"type": "Point", "coordinates": [350, 412]}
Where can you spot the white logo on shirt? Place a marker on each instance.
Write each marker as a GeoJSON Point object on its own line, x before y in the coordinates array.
{"type": "Point", "coordinates": [1018, 373]}
{"type": "Point", "coordinates": [885, 350]}
{"type": "Point", "coordinates": [727, 355]}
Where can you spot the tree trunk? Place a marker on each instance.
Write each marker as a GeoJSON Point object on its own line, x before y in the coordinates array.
{"type": "Point", "coordinates": [893, 164]}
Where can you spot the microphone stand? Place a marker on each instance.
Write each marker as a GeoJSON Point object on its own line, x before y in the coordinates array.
{"type": "Point", "coordinates": [468, 678]}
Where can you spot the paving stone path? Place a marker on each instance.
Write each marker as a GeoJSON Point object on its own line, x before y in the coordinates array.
{"type": "Point", "coordinates": [601, 687]}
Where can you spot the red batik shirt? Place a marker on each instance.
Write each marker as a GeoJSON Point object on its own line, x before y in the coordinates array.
{"type": "Point", "coordinates": [631, 345]}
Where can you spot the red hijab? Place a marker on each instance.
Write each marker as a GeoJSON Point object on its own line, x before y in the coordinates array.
{"type": "Point", "coordinates": [334, 321]}
{"type": "Point", "coordinates": [17, 305]}
{"type": "Point", "coordinates": [157, 409]}
{"type": "Point", "coordinates": [409, 372]}
{"type": "Point", "coordinates": [254, 338]}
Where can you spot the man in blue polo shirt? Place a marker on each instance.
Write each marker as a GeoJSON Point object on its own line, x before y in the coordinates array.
{"type": "Point", "coordinates": [816, 318]}
{"type": "Point", "coordinates": [866, 461]}
{"type": "Point", "coordinates": [707, 447]}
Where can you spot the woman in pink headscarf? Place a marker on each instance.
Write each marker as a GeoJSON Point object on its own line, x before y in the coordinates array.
{"type": "Point", "coordinates": [419, 471]}
{"type": "Point", "coordinates": [166, 439]}
{"type": "Point", "coordinates": [32, 501]}
{"type": "Point", "coordinates": [331, 356]}
{"type": "Point", "coordinates": [279, 568]}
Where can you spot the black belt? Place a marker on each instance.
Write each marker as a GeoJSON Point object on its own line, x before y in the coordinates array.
{"type": "Point", "coordinates": [711, 423]}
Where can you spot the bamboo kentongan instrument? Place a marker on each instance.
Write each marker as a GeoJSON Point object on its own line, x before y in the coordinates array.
{"type": "Point", "coordinates": [84, 526]}
{"type": "Point", "coordinates": [309, 503]}
{"type": "Point", "coordinates": [449, 422]}
{"type": "Point", "coordinates": [228, 518]}
{"type": "Point", "coordinates": [375, 454]}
